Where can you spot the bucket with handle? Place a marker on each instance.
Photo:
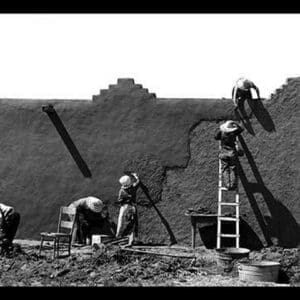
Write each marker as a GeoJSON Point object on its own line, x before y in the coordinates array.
{"type": "Point", "coordinates": [226, 257]}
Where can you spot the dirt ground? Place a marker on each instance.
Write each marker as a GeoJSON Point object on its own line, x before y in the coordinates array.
{"type": "Point", "coordinates": [114, 266]}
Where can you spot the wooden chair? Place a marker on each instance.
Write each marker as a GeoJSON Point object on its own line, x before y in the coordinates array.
{"type": "Point", "coordinates": [63, 236]}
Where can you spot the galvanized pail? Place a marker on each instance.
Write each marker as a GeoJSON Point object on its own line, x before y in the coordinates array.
{"type": "Point", "coordinates": [259, 271]}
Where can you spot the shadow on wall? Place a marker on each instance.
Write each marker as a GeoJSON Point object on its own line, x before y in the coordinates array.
{"type": "Point", "coordinates": [49, 109]}
{"type": "Point", "coordinates": [248, 239]}
{"type": "Point", "coordinates": [151, 173]}
{"type": "Point", "coordinates": [243, 117]}
{"type": "Point", "coordinates": [259, 111]}
{"type": "Point", "coordinates": [262, 115]}
{"type": "Point", "coordinates": [281, 226]}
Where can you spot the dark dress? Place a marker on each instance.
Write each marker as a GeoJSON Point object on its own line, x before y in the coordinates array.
{"type": "Point", "coordinates": [8, 228]}
{"type": "Point", "coordinates": [228, 156]}
{"type": "Point", "coordinates": [89, 222]}
{"type": "Point", "coordinates": [242, 95]}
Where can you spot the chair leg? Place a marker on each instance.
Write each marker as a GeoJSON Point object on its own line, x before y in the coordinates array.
{"type": "Point", "coordinates": [54, 248]}
{"type": "Point", "coordinates": [41, 246]}
{"type": "Point", "coordinates": [70, 241]}
{"type": "Point", "coordinates": [57, 248]}
{"type": "Point", "coordinates": [130, 238]}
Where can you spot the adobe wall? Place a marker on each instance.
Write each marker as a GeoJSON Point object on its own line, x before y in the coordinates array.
{"type": "Point", "coordinates": [169, 142]}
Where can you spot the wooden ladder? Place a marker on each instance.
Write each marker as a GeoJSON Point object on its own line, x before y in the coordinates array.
{"type": "Point", "coordinates": [221, 218]}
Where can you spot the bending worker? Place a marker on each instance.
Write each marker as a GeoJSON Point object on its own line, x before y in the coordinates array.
{"type": "Point", "coordinates": [242, 91]}
{"type": "Point", "coordinates": [9, 222]}
{"type": "Point", "coordinates": [229, 152]}
{"type": "Point", "coordinates": [92, 216]}
{"type": "Point", "coordinates": [128, 220]}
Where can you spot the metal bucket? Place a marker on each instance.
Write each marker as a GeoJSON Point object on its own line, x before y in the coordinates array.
{"type": "Point", "coordinates": [259, 271]}
{"type": "Point", "coordinates": [227, 256]}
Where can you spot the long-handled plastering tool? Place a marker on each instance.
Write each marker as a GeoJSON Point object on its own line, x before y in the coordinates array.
{"type": "Point", "coordinates": [164, 221]}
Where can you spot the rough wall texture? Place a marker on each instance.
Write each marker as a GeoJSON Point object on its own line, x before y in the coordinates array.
{"type": "Point", "coordinates": [169, 142]}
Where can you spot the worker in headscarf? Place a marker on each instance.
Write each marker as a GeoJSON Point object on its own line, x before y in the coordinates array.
{"type": "Point", "coordinates": [242, 91]}
{"type": "Point", "coordinates": [92, 213]}
{"type": "Point", "coordinates": [128, 219]}
{"type": "Point", "coordinates": [9, 222]}
{"type": "Point", "coordinates": [229, 152]}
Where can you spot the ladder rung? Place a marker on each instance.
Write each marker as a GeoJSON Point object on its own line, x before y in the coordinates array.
{"type": "Point", "coordinates": [229, 235]}
{"type": "Point", "coordinates": [228, 219]}
{"type": "Point", "coordinates": [229, 203]}
{"type": "Point", "coordinates": [223, 188]}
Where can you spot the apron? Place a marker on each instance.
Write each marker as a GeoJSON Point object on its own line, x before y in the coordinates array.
{"type": "Point", "coordinates": [127, 220]}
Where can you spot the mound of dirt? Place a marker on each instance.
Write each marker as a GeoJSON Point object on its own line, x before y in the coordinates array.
{"type": "Point", "coordinates": [112, 266]}
{"type": "Point", "coordinates": [289, 260]}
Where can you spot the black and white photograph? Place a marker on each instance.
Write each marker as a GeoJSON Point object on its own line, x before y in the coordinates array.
{"type": "Point", "coordinates": [149, 150]}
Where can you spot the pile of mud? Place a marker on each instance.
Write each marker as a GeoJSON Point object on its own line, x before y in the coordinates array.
{"type": "Point", "coordinates": [112, 266]}
{"type": "Point", "coordinates": [105, 267]}
{"type": "Point", "coordinates": [289, 260]}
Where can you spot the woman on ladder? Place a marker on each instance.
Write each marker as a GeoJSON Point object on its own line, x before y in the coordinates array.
{"type": "Point", "coordinates": [229, 152]}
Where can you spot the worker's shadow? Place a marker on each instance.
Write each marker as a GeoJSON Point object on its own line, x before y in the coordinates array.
{"type": "Point", "coordinates": [255, 108]}
{"type": "Point", "coordinates": [280, 227]}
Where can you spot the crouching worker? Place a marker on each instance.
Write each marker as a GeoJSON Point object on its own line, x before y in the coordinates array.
{"type": "Point", "coordinates": [128, 219]}
{"type": "Point", "coordinates": [92, 218]}
{"type": "Point", "coordinates": [229, 152]}
{"type": "Point", "coordinates": [242, 91]}
{"type": "Point", "coordinates": [9, 222]}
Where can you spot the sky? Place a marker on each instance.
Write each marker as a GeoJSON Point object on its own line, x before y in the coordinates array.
{"type": "Point", "coordinates": [73, 56]}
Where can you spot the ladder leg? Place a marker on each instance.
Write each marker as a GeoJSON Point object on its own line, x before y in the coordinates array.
{"type": "Point", "coordinates": [237, 200]}
{"type": "Point", "coordinates": [233, 179]}
{"type": "Point", "coordinates": [54, 247]}
{"type": "Point", "coordinates": [41, 246]}
{"type": "Point", "coordinates": [69, 246]}
{"type": "Point", "coordinates": [219, 206]}
{"type": "Point", "coordinates": [57, 248]}
{"type": "Point", "coordinates": [237, 215]}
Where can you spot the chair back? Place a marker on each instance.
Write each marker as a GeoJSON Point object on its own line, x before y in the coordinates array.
{"type": "Point", "coordinates": [67, 217]}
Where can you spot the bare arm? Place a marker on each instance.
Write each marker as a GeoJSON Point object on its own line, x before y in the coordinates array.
{"type": "Point", "coordinates": [137, 180]}
{"type": "Point", "coordinates": [256, 90]}
{"type": "Point", "coordinates": [240, 128]}
{"type": "Point", "coordinates": [1, 215]}
{"type": "Point", "coordinates": [234, 95]}
{"type": "Point", "coordinates": [78, 203]}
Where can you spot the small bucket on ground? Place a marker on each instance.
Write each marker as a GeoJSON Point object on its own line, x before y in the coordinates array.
{"type": "Point", "coordinates": [259, 271]}
{"type": "Point", "coordinates": [227, 256]}
{"type": "Point", "coordinates": [96, 239]}
{"type": "Point", "coordinates": [101, 238]}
